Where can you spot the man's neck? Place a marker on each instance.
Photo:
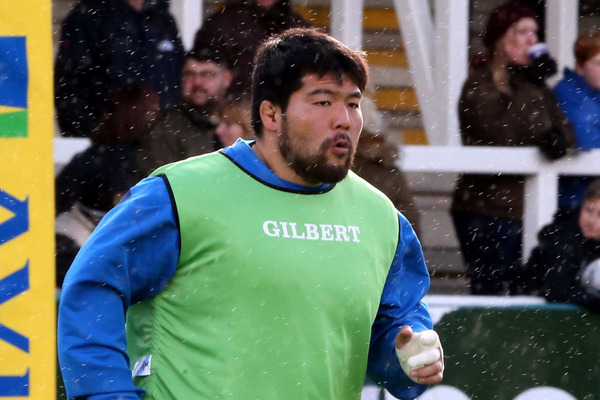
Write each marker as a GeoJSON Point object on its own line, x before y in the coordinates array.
{"type": "Point", "coordinates": [268, 152]}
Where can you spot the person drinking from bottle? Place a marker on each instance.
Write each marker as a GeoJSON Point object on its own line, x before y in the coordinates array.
{"type": "Point", "coordinates": [504, 102]}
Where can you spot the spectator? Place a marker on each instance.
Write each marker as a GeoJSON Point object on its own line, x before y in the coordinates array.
{"type": "Point", "coordinates": [106, 44]}
{"type": "Point", "coordinates": [94, 181]}
{"type": "Point", "coordinates": [189, 129]}
{"type": "Point", "coordinates": [375, 161]}
{"type": "Point", "coordinates": [127, 118]}
{"type": "Point", "coordinates": [578, 94]}
{"type": "Point", "coordinates": [101, 191]}
{"type": "Point", "coordinates": [565, 265]}
{"type": "Point", "coordinates": [235, 122]}
{"type": "Point", "coordinates": [504, 102]}
{"type": "Point", "coordinates": [240, 27]}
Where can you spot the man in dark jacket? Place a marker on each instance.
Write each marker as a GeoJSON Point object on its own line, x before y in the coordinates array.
{"type": "Point", "coordinates": [565, 265]}
{"type": "Point", "coordinates": [106, 44]}
{"type": "Point", "coordinates": [240, 27]}
{"type": "Point", "coordinates": [190, 128]}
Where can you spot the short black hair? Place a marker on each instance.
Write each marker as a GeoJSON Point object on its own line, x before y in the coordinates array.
{"type": "Point", "coordinates": [283, 60]}
{"type": "Point", "coordinates": [208, 54]}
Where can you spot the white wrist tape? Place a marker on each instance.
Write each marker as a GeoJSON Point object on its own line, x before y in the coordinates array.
{"type": "Point", "coordinates": [424, 348]}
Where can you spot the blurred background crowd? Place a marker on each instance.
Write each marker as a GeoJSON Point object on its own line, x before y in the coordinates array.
{"type": "Point", "coordinates": [124, 80]}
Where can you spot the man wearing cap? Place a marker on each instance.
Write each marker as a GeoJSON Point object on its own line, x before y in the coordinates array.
{"type": "Point", "coordinates": [189, 129]}
{"type": "Point", "coordinates": [504, 102]}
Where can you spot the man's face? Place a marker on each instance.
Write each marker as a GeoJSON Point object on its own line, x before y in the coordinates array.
{"type": "Point", "coordinates": [204, 82]}
{"type": "Point", "coordinates": [320, 129]}
{"type": "Point", "coordinates": [590, 71]}
{"type": "Point", "coordinates": [589, 219]}
{"type": "Point", "coordinates": [518, 39]}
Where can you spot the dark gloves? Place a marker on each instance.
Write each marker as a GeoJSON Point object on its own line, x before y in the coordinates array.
{"type": "Point", "coordinates": [553, 145]}
{"type": "Point", "coordinates": [541, 68]}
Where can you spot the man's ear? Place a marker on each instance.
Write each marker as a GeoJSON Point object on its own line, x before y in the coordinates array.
{"type": "Point", "coordinates": [228, 77]}
{"type": "Point", "coordinates": [579, 69]}
{"type": "Point", "coordinates": [270, 116]}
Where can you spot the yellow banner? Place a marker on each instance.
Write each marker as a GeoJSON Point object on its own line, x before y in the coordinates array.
{"type": "Point", "coordinates": [27, 288]}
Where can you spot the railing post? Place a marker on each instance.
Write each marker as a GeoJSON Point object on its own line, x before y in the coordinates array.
{"type": "Point", "coordinates": [541, 200]}
{"type": "Point", "coordinates": [414, 19]}
{"type": "Point", "coordinates": [188, 15]}
{"type": "Point", "coordinates": [450, 62]}
{"type": "Point", "coordinates": [347, 22]}
{"type": "Point", "coordinates": [561, 31]}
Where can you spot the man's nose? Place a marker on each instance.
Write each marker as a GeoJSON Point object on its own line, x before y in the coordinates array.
{"type": "Point", "coordinates": [532, 39]}
{"type": "Point", "coordinates": [341, 117]}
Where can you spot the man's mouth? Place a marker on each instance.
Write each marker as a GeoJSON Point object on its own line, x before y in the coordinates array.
{"type": "Point", "coordinates": [341, 145]}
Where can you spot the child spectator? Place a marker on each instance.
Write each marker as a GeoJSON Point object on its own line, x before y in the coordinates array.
{"type": "Point", "coordinates": [565, 265]}
{"type": "Point", "coordinates": [578, 94]}
{"type": "Point", "coordinates": [235, 122]}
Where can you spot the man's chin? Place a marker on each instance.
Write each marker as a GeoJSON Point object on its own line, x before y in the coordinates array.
{"type": "Point", "coordinates": [199, 101]}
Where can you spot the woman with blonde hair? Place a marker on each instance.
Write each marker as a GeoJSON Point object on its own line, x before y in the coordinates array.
{"type": "Point", "coordinates": [505, 102]}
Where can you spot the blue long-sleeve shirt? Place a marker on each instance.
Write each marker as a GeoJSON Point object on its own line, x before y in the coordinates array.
{"type": "Point", "coordinates": [581, 104]}
{"type": "Point", "coordinates": [133, 254]}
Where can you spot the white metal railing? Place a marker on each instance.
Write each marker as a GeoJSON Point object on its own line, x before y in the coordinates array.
{"type": "Point", "coordinates": [437, 51]}
{"type": "Point", "coordinates": [541, 188]}
{"type": "Point", "coordinates": [541, 184]}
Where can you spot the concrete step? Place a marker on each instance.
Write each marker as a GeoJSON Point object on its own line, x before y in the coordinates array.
{"type": "Point", "coordinates": [373, 18]}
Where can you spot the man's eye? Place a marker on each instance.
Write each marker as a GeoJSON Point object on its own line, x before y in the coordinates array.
{"type": "Point", "coordinates": [354, 105]}
{"type": "Point", "coordinates": [323, 103]}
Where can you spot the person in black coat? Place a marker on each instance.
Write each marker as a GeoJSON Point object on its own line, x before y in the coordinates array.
{"type": "Point", "coordinates": [95, 180]}
{"type": "Point", "coordinates": [106, 44]}
{"type": "Point", "coordinates": [565, 265]}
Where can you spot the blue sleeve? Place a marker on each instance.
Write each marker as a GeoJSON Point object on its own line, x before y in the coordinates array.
{"type": "Point", "coordinates": [582, 111]}
{"type": "Point", "coordinates": [131, 256]}
{"type": "Point", "coordinates": [401, 304]}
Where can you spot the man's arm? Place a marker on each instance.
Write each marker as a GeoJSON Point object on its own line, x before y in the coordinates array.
{"type": "Point", "coordinates": [582, 112]}
{"type": "Point", "coordinates": [131, 256]}
{"type": "Point", "coordinates": [401, 304]}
